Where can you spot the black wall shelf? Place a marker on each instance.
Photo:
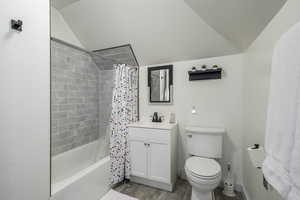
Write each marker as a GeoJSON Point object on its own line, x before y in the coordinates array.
{"type": "Point", "coordinates": [205, 74]}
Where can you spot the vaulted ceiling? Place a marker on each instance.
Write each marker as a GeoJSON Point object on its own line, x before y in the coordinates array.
{"type": "Point", "coordinates": [240, 21]}
{"type": "Point", "coordinates": [59, 4]}
{"type": "Point", "coordinates": [162, 31]}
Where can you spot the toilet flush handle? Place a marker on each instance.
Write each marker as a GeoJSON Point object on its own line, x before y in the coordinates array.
{"type": "Point", "coordinates": [190, 136]}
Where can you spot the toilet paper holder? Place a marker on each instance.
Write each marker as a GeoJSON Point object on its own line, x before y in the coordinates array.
{"type": "Point", "coordinates": [257, 155]}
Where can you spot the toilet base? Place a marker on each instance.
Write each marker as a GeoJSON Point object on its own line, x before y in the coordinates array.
{"type": "Point", "coordinates": [198, 195]}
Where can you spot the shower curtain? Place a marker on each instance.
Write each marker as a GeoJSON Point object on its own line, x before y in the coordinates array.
{"type": "Point", "coordinates": [124, 112]}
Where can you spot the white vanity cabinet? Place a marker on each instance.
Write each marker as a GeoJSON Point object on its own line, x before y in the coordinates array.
{"type": "Point", "coordinates": [153, 154]}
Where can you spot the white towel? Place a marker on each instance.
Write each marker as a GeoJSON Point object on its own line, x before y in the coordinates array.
{"type": "Point", "coordinates": [282, 164]}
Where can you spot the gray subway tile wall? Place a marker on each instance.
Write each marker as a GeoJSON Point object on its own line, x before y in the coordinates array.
{"type": "Point", "coordinates": [106, 84]}
{"type": "Point", "coordinates": [81, 96]}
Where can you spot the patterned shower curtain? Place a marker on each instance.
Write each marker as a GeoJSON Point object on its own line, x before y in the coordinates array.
{"type": "Point", "coordinates": [124, 112]}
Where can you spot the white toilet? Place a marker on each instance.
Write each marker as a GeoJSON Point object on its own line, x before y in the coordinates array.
{"type": "Point", "coordinates": [203, 172]}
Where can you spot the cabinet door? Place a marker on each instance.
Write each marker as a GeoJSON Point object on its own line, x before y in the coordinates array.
{"type": "Point", "coordinates": [138, 154]}
{"type": "Point", "coordinates": [159, 168]}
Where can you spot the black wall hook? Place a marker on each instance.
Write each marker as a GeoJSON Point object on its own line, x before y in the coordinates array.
{"type": "Point", "coordinates": [16, 25]}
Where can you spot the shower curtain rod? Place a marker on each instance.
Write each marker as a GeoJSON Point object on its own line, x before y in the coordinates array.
{"type": "Point", "coordinates": [68, 44]}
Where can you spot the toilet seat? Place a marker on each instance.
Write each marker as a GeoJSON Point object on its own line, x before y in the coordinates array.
{"type": "Point", "coordinates": [202, 177]}
{"type": "Point", "coordinates": [202, 168]}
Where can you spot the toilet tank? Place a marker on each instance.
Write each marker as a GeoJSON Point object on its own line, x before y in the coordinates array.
{"type": "Point", "coordinates": [205, 142]}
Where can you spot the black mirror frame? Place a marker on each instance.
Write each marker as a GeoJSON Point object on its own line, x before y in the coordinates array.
{"type": "Point", "coordinates": [150, 69]}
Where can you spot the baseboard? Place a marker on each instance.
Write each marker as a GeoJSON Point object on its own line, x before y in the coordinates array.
{"type": "Point", "coordinates": [182, 174]}
{"type": "Point", "coordinates": [159, 185]}
{"type": "Point", "coordinates": [245, 193]}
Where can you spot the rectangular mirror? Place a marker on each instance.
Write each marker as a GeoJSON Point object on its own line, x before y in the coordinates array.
{"type": "Point", "coordinates": [160, 81]}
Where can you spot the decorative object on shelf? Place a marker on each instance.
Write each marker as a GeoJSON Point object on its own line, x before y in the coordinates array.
{"type": "Point", "coordinates": [16, 25]}
{"type": "Point", "coordinates": [229, 183]}
{"type": "Point", "coordinates": [194, 69]}
{"type": "Point", "coordinates": [205, 74]}
{"type": "Point", "coordinates": [203, 68]}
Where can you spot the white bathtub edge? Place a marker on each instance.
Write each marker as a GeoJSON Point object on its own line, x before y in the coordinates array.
{"type": "Point", "coordinates": [56, 187]}
{"type": "Point", "coordinates": [89, 184]}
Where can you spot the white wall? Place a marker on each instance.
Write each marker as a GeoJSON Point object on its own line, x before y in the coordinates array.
{"type": "Point", "coordinates": [61, 30]}
{"type": "Point", "coordinates": [218, 103]}
{"type": "Point", "coordinates": [257, 75]}
{"type": "Point", "coordinates": [25, 101]}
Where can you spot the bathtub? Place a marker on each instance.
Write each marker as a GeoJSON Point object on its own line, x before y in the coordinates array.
{"type": "Point", "coordinates": [76, 175]}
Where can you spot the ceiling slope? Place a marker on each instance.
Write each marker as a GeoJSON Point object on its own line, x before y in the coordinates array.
{"type": "Point", "coordinates": [159, 31]}
{"type": "Point", "coordinates": [59, 4]}
{"type": "Point", "coordinates": [240, 21]}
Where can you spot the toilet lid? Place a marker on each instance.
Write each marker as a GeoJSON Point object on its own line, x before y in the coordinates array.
{"type": "Point", "coordinates": [203, 166]}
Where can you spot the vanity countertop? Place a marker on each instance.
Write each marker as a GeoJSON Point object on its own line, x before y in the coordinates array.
{"type": "Point", "coordinates": [153, 125]}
